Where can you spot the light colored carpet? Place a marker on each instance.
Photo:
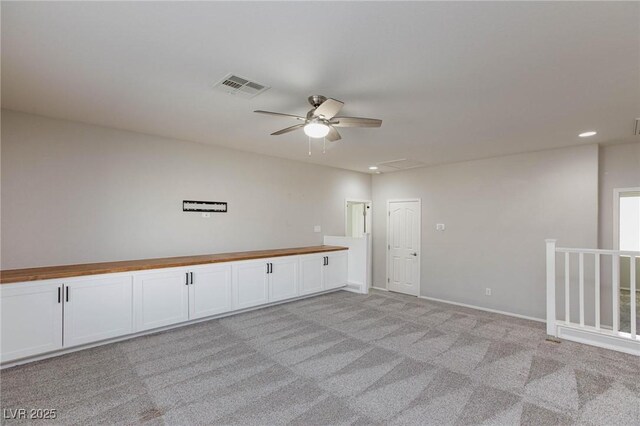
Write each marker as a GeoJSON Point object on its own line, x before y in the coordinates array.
{"type": "Point", "coordinates": [339, 358]}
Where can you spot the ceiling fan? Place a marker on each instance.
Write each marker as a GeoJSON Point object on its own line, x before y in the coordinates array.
{"type": "Point", "coordinates": [321, 120]}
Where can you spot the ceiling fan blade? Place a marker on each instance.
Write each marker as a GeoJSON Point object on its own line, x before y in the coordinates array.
{"type": "Point", "coordinates": [280, 114]}
{"type": "Point", "coordinates": [355, 122]}
{"type": "Point", "coordinates": [328, 109]}
{"type": "Point", "coordinates": [287, 130]}
{"type": "Point", "coordinates": [333, 135]}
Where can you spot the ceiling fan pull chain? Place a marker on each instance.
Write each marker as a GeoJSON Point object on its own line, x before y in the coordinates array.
{"type": "Point", "coordinates": [309, 146]}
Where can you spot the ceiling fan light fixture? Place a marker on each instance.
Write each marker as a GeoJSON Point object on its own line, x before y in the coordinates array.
{"type": "Point", "coordinates": [316, 130]}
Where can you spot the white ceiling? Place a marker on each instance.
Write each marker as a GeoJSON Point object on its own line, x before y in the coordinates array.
{"type": "Point", "coordinates": [451, 81]}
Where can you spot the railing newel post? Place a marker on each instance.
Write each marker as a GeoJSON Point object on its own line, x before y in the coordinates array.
{"type": "Point", "coordinates": [551, 288]}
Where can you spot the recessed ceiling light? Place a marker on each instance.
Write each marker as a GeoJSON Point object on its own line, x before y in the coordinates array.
{"type": "Point", "coordinates": [587, 134]}
{"type": "Point", "coordinates": [373, 167]}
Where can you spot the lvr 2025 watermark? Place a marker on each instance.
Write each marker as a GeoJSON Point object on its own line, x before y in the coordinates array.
{"type": "Point", "coordinates": [29, 414]}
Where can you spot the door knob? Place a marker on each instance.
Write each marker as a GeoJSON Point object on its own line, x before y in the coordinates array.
{"type": "Point", "coordinates": [414, 254]}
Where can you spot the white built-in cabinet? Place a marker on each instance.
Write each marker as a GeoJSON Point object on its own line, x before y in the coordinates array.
{"type": "Point", "coordinates": [97, 309]}
{"type": "Point", "coordinates": [335, 270]}
{"type": "Point", "coordinates": [160, 298]}
{"type": "Point", "coordinates": [251, 283]}
{"type": "Point", "coordinates": [167, 297]}
{"type": "Point", "coordinates": [47, 316]}
{"type": "Point", "coordinates": [311, 272]}
{"type": "Point", "coordinates": [209, 290]}
{"type": "Point", "coordinates": [265, 280]}
{"type": "Point", "coordinates": [283, 278]}
{"type": "Point", "coordinates": [319, 272]}
{"type": "Point", "coordinates": [31, 319]}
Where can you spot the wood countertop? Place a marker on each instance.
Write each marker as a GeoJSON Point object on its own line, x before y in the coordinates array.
{"type": "Point", "coordinates": [66, 271]}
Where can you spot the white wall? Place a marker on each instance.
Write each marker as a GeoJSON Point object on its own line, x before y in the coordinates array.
{"type": "Point", "coordinates": [619, 168]}
{"type": "Point", "coordinates": [497, 214]}
{"type": "Point", "coordinates": [76, 193]}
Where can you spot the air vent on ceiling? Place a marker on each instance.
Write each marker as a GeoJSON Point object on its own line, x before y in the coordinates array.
{"type": "Point", "coordinates": [240, 86]}
{"type": "Point", "coordinates": [400, 164]}
{"type": "Point", "coordinates": [637, 129]}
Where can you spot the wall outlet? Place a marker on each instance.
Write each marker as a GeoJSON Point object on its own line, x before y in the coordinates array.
{"type": "Point", "coordinates": [487, 292]}
{"type": "Point", "coordinates": [439, 226]}
{"type": "Point", "coordinates": [317, 228]}
{"type": "Point", "coordinates": [206, 214]}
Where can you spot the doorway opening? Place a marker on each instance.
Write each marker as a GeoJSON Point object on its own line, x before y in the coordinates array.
{"type": "Point", "coordinates": [404, 219]}
{"type": "Point", "coordinates": [626, 238]}
{"type": "Point", "coordinates": [357, 218]}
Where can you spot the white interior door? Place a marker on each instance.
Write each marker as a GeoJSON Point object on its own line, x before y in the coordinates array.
{"type": "Point", "coordinates": [403, 260]}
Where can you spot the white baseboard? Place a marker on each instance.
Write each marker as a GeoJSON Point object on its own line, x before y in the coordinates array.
{"type": "Point", "coordinates": [598, 338]}
{"type": "Point", "coordinates": [353, 290]}
{"type": "Point", "coordinates": [379, 288]}
{"type": "Point", "coordinates": [495, 311]}
{"type": "Point", "coordinates": [354, 287]}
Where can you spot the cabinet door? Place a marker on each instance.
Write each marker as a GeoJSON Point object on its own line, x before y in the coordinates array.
{"type": "Point", "coordinates": [283, 279]}
{"type": "Point", "coordinates": [160, 298]}
{"type": "Point", "coordinates": [250, 284]}
{"type": "Point", "coordinates": [31, 319]}
{"type": "Point", "coordinates": [336, 270]}
{"type": "Point", "coordinates": [210, 292]}
{"type": "Point", "coordinates": [97, 309]}
{"type": "Point", "coordinates": [311, 271]}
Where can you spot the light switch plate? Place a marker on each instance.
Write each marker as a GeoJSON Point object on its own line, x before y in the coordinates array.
{"type": "Point", "coordinates": [317, 228]}
{"type": "Point", "coordinates": [439, 226]}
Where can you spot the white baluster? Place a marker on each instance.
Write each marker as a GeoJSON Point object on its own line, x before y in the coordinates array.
{"type": "Point", "coordinates": [632, 294]}
{"type": "Point", "coordinates": [567, 305]}
{"type": "Point", "coordinates": [581, 286]}
{"type": "Point", "coordinates": [551, 288]}
{"type": "Point", "coordinates": [597, 289]}
{"type": "Point", "coordinates": [615, 291]}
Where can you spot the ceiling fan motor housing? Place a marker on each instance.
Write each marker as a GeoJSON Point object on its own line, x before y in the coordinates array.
{"type": "Point", "coordinates": [316, 100]}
